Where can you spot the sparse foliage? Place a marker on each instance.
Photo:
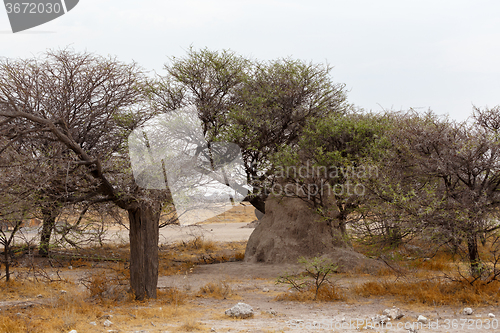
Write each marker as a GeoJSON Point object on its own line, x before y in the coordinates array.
{"type": "Point", "coordinates": [88, 105]}
{"type": "Point", "coordinates": [316, 273]}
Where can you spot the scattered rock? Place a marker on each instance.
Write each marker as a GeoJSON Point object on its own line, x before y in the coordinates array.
{"type": "Point", "coordinates": [266, 290]}
{"type": "Point", "coordinates": [73, 331]}
{"type": "Point", "coordinates": [272, 312]}
{"type": "Point", "coordinates": [491, 315]}
{"type": "Point", "coordinates": [412, 330]}
{"type": "Point", "coordinates": [468, 311]}
{"type": "Point", "coordinates": [93, 323]}
{"type": "Point", "coordinates": [63, 291]}
{"type": "Point", "coordinates": [240, 310]}
{"type": "Point", "coordinates": [422, 319]}
{"type": "Point", "coordinates": [107, 323]}
{"type": "Point", "coordinates": [394, 313]}
{"type": "Point", "coordinates": [39, 296]}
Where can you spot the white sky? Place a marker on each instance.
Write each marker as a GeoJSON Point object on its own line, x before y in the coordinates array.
{"type": "Point", "coordinates": [391, 54]}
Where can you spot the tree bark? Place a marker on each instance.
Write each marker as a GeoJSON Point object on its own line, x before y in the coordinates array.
{"type": "Point", "coordinates": [49, 220]}
{"type": "Point", "coordinates": [144, 237]}
{"type": "Point", "coordinates": [473, 255]}
{"type": "Point", "coordinates": [7, 262]}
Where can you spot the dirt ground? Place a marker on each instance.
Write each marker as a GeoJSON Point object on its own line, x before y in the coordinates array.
{"type": "Point", "coordinates": [255, 285]}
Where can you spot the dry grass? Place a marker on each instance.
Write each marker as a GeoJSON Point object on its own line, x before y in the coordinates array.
{"type": "Point", "coordinates": [433, 292]}
{"type": "Point", "coordinates": [326, 293]}
{"type": "Point", "coordinates": [75, 309]}
{"type": "Point", "coordinates": [107, 290]}
{"type": "Point", "coordinates": [191, 325]}
{"type": "Point", "coordinates": [218, 290]}
{"type": "Point", "coordinates": [63, 313]}
{"type": "Point", "coordinates": [171, 296]}
{"type": "Point", "coordinates": [17, 289]}
{"type": "Point", "coordinates": [183, 256]}
{"type": "Point", "coordinates": [107, 287]}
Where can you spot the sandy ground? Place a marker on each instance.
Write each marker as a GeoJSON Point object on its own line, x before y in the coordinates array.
{"type": "Point", "coordinates": [250, 283]}
{"type": "Point", "coordinates": [228, 226]}
{"type": "Point", "coordinates": [254, 284]}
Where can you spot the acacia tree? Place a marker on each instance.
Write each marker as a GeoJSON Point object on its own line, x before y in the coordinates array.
{"type": "Point", "coordinates": [89, 104]}
{"type": "Point", "coordinates": [446, 176]}
{"type": "Point", "coordinates": [16, 200]}
{"type": "Point", "coordinates": [260, 106]}
{"type": "Point", "coordinates": [334, 158]}
{"type": "Point", "coordinates": [273, 107]}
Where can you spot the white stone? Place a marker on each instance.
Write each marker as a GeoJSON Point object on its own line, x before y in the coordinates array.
{"type": "Point", "coordinates": [266, 290]}
{"type": "Point", "coordinates": [468, 311]}
{"type": "Point", "coordinates": [394, 313]}
{"type": "Point", "coordinates": [491, 315]}
{"type": "Point", "coordinates": [240, 310]}
{"type": "Point", "coordinates": [93, 323]}
{"type": "Point", "coordinates": [422, 319]}
{"type": "Point", "coordinates": [73, 331]}
{"type": "Point", "coordinates": [107, 323]}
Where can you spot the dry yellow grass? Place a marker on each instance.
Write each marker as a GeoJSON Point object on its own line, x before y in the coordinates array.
{"type": "Point", "coordinates": [107, 288]}
{"type": "Point", "coordinates": [191, 325]}
{"type": "Point", "coordinates": [326, 293]}
{"type": "Point", "coordinates": [243, 212]}
{"type": "Point", "coordinates": [182, 257]}
{"type": "Point", "coordinates": [76, 310]}
{"type": "Point", "coordinates": [218, 290]}
{"type": "Point", "coordinates": [433, 292]}
{"type": "Point", "coordinates": [17, 289]}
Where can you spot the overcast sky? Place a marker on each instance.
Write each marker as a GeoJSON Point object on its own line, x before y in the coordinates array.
{"type": "Point", "coordinates": [391, 54]}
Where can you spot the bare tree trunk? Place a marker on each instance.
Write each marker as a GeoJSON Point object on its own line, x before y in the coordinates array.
{"type": "Point", "coordinates": [7, 263]}
{"type": "Point", "coordinates": [339, 228]}
{"type": "Point", "coordinates": [144, 237]}
{"type": "Point", "coordinates": [49, 220]}
{"type": "Point", "coordinates": [473, 255]}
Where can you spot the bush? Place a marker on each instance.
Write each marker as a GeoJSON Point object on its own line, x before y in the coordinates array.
{"type": "Point", "coordinates": [316, 273]}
